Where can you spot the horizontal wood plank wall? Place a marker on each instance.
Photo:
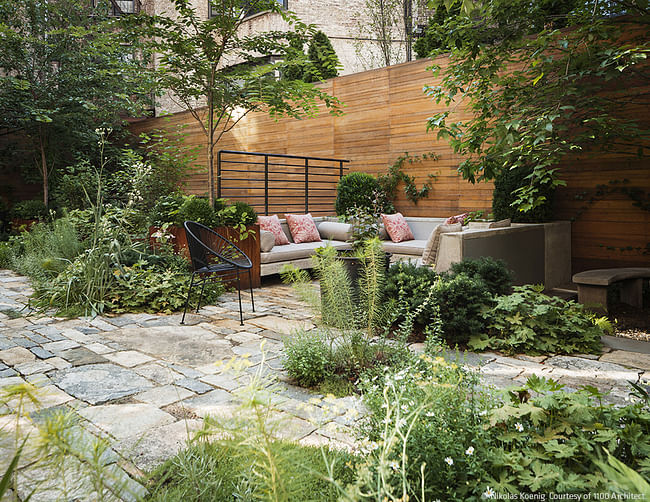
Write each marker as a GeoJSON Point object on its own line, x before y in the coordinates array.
{"type": "Point", "coordinates": [385, 116]}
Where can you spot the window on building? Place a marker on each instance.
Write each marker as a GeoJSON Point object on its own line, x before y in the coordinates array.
{"type": "Point", "coordinates": [250, 11]}
{"type": "Point", "coordinates": [120, 7]}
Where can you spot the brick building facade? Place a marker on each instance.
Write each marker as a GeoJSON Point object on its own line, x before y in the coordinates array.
{"type": "Point", "coordinates": [345, 22]}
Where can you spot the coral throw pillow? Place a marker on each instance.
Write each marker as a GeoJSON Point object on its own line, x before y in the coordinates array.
{"type": "Point", "coordinates": [272, 224]}
{"type": "Point", "coordinates": [459, 218]}
{"type": "Point", "coordinates": [397, 228]}
{"type": "Point", "coordinates": [302, 228]}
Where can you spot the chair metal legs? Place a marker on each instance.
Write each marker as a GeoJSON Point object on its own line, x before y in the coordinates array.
{"type": "Point", "coordinates": [198, 305]}
{"type": "Point", "coordinates": [204, 280]}
{"type": "Point", "coordinates": [241, 314]}
{"type": "Point", "coordinates": [250, 286]}
{"type": "Point", "coordinates": [187, 301]}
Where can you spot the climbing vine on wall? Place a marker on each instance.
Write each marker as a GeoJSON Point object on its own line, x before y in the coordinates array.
{"type": "Point", "coordinates": [396, 175]}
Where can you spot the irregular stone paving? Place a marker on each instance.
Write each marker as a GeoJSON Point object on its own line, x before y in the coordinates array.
{"type": "Point", "coordinates": [144, 382]}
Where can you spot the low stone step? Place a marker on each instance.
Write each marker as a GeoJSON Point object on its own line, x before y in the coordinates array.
{"type": "Point", "coordinates": [564, 294]}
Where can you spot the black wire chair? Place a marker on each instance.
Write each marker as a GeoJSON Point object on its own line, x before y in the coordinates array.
{"type": "Point", "coordinates": [212, 253]}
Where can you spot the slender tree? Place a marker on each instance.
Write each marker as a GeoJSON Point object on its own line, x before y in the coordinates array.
{"type": "Point", "coordinates": [220, 75]}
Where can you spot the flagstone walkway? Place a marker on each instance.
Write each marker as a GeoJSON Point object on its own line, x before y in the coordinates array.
{"type": "Point", "coordinates": [144, 382]}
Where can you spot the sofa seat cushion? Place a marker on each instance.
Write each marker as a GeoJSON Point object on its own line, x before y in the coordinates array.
{"type": "Point", "coordinates": [295, 251]}
{"type": "Point", "coordinates": [413, 247]}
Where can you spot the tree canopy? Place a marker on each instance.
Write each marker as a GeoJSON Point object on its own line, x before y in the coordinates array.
{"type": "Point", "coordinates": [66, 70]}
{"type": "Point", "coordinates": [543, 80]}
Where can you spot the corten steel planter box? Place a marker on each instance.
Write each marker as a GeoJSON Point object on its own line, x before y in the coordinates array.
{"type": "Point", "coordinates": [18, 224]}
{"type": "Point", "coordinates": [250, 246]}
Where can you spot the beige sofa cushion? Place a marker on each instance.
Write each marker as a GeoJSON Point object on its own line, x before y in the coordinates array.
{"type": "Point", "coordinates": [295, 251]}
{"type": "Point", "coordinates": [431, 249]}
{"type": "Point", "coordinates": [267, 241]}
{"type": "Point", "coordinates": [414, 247]}
{"type": "Point", "coordinates": [335, 230]}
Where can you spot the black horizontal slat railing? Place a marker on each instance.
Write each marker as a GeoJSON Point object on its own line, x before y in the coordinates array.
{"type": "Point", "coordinates": [277, 178]}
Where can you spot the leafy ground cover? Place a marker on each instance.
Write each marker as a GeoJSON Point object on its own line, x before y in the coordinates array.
{"type": "Point", "coordinates": [368, 324]}
{"type": "Point", "coordinates": [432, 432]}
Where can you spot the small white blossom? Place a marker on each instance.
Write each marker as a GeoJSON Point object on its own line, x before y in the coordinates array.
{"type": "Point", "coordinates": [394, 465]}
{"type": "Point", "coordinates": [469, 451]}
{"type": "Point", "coordinates": [519, 427]}
{"type": "Point", "coordinates": [449, 460]}
{"type": "Point", "coordinates": [400, 423]}
{"type": "Point", "coordinates": [489, 493]}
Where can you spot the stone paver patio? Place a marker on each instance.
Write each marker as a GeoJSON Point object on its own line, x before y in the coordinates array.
{"type": "Point", "coordinates": [144, 382]}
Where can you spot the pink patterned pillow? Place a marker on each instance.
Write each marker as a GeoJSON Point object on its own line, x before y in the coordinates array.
{"type": "Point", "coordinates": [302, 228]}
{"type": "Point", "coordinates": [459, 218]}
{"type": "Point", "coordinates": [272, 224]}
{"type": "Point", "coordinates": [397, 228]}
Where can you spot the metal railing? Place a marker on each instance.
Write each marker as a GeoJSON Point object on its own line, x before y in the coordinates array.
{"type": "Point", "coordinates": [279, 183]}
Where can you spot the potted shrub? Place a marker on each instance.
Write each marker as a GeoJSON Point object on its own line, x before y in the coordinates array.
{"type": "Point", "coordinates": [236, 222]}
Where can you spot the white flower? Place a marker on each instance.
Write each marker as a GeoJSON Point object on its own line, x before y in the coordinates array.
{"type": "Point", "coordinates": [394, 465]}
{"type": "Point", "coordinates": [400, 423]}
{"type": "Point", "coordinates": [430, 414]}
{"type": "Point", "coordinates": [469, 451]}
{"type": "Point", "coordinates": [449, 460]}
{"type": "Point", "coordinates": [519, 427]}
{"type": "Point", "coordinates": [489, 493]}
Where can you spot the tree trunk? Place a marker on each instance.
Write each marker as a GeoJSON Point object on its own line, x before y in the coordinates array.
{"type": "Point", "coordinates": [41, 146]}
{"type": "Point", "coordinates": [210, 151]}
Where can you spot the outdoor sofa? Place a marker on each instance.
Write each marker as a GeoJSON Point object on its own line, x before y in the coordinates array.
{"type": "Point", "coordinates": [536, 253]}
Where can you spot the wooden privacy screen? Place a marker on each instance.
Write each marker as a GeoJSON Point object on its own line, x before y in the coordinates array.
{"type": "Point", "coordinates": [385, 116]}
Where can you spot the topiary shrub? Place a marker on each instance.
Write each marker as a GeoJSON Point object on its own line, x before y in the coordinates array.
{"type": "Point", "coordinates": [239, 213]}
{"type": "Point", "coordinates": [493, 272]}
{"type": "Point", "coordinates": [503, 196]}
{"type": "Point", "coordinates": [198, 210]}
{"type": "Point", "coordinates": [461, 300]}
{"type": "Point", "coordinates": [363, 191]}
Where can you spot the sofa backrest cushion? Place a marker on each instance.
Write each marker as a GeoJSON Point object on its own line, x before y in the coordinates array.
{"type": "Point", "coordinates": [430, 252]}
{"type": "Point", "coordinates": [336, 231]}
{"type": "Point", "coordinates": [267, 241]}
{"type": "Point", "coordinates": [272, 224]}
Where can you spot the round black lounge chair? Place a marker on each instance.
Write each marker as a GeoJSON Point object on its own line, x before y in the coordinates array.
{"type": "Point", "coordinates": [212, 253]}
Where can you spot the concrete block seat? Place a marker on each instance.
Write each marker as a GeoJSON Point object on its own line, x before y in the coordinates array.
{"type": "Point", "coordinates": [593, 285]}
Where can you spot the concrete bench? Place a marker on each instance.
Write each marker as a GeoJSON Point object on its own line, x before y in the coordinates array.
{"type": "Point", "coordinates": [593, 284]}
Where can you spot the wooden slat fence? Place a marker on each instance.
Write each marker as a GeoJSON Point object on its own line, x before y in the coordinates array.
{"type": "Point", "coordinates": [385, 116]}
